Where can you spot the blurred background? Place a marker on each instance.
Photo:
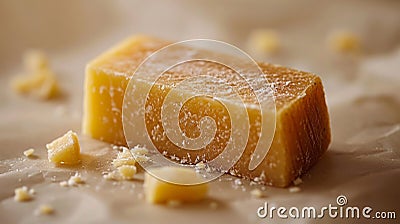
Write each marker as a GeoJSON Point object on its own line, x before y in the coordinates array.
{"type": "Point", "coordinates": [303, 26]}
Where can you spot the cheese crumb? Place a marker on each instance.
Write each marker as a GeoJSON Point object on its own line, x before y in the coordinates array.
{"type": "Point", "coordinates": [40, 82]}
{"type": "Point", "coordinates": [344, 42]}
{"type": "Point", "coordinates": [294, 189]}
{"type": "Point", "coordinates": [257, 193]}
{"type": "Point", "coordinates": [137, 150]}
{"type": "Point", "coordinates": [75, 180]}
{"type": "Point", "coordinates": [125, 162]}
{"type": "Point", "coordinates": [114, 175]}
{"type": "Point", "coordinates": [298, 181]}
{"type": "Point", "coordinates": [127, 171]}
{"type": "Point", "coordinates": [22, 194]}
{"type": "Point", "coordinates": [29, 152]}
{"type": "Point", "coordinates": [124, 158]}
{"type": "Point", "coordinates": [64, 150]}
{"type": "Point", "coordinates": [264, 41]}
{"type": "Point", "coordinates": [44, 210]}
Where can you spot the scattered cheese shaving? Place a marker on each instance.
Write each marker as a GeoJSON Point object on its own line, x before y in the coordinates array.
{"type": "Point", "coordinates": [124, 158]}
{"type": "Point", "coordinates": [114, 175]}
{"type": "Point", "coordinates": [22, 194]}
{"type": "Point", "coordinates": [73, 181]}
{"type": "Point", "coordinates": [29, 152]}
{"type": "Point", "coordinates": [125, 162]}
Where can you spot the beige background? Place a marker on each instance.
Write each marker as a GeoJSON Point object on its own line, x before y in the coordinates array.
{"type": "Point", "coordinates": [362, 163]}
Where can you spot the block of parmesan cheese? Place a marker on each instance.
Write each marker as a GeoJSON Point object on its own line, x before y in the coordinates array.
{"type": "Point", "coordinates": [302, 132]}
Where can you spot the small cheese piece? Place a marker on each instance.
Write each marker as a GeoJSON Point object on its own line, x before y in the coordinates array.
{"type": "Point", "coordinates": [29, 152]}
{"type": "Point", "coordinates": [158, 191]}
{"type": "Point", "coordinates": [39, 82]}
{"type": "Point", "coordinates": [264, 41]}
{"type": "Point", "coordinates": [344, 42]}
{"type": "Point", "coordinates": [65, 150]}
{"type": "Point", "coordinates": [302, 132]}
{"type": "Point", "coordinates": [75, 180]}
{"type": "Point", "coordinates": [127, 172]}
{"type": "Point", "coordinates": [125, 163]}
{"type": "Point", "coordinates": [44, 210]}
{"type": "Point", "coordinates": [22, 194]}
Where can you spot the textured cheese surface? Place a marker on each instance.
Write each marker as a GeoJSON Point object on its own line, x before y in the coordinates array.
{"type": "Point", "coordinates": [302, 121]}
